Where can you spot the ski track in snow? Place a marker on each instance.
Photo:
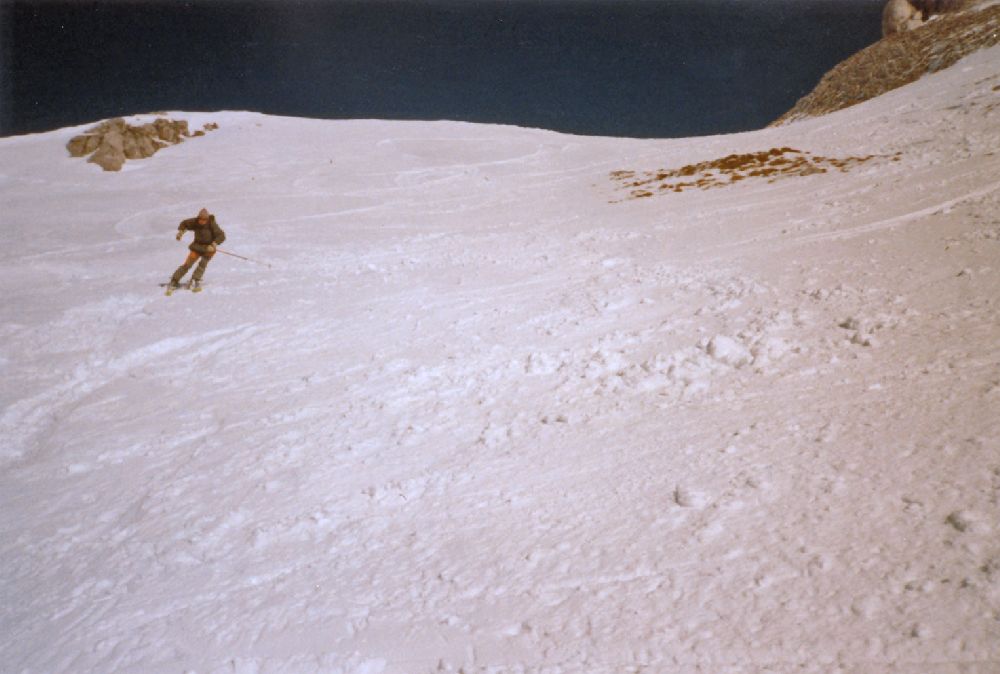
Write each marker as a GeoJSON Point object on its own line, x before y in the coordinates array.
{"type": "Point", "coordinates": [481, 415]}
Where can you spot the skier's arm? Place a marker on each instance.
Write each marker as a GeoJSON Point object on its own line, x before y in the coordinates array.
{"type": "Point", "coordinates": [218, 236]}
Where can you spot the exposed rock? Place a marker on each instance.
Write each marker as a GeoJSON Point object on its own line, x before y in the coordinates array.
{"type": "Point", "coordinates": [902, 15]}
{"type": "Point", "coordinates": [112, 142]}
{"type": "Point", "coordinates": [140, 145]}
{"type": "Point", "coordinates": [899, 16]}
{"type": "Point", "coordinates": [84, 144]}
{"type": "Point", "coordinates": [110, 154]}
{"type": "Point", "coordinates": [169, 131]}
{"type": "Point", "coordinates": [771, 165]}
{"type": "Point", "coordinates": [933, 7]}
{"type": "Point", "coordinates": [902, 57]}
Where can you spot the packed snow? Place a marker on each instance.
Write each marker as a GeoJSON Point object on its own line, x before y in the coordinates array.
{"type": "Point", "coordinates": [491, 410]}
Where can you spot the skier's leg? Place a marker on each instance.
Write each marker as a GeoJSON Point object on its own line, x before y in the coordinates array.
{"type": "Point", "coordinates": [199, 272]}
{"type": "Point", "coordinates": [183, 269]}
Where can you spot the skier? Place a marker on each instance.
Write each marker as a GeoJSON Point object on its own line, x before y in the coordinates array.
{"type": "Point", "coordinates": [207, 235]}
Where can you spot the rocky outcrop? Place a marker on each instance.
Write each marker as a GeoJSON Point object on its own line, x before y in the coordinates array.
{"type": "Point", "coordinates": [901, 58]}
{"type": "Point", "coordinates": [111, 143]}
{"type": "Point", "coordinates": [899, 16]}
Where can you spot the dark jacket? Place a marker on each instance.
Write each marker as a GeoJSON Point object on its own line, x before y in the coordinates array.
{"type": "Point", "coordinates": [204, 235]}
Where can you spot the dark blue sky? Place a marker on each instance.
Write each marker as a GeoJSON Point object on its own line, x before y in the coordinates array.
{"type": "Point", "coordinates": [641, 68]}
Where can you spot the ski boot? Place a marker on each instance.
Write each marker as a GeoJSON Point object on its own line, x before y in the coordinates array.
{"type": "Point", "coordinates": [195, 285]}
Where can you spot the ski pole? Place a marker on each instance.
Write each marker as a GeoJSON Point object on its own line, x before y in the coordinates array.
{"type": "Point", "coordinates": [248, 259]}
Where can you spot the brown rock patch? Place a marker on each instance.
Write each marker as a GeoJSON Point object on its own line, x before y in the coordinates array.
{"type": "Point", "coordinates": [779, 162]}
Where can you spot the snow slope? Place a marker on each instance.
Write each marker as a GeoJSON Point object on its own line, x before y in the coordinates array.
{"type": "Point", "coordinates": [486, 412]}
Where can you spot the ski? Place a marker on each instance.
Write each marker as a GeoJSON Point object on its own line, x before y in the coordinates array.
{"type": "Point", "coordinates": [195, 288]}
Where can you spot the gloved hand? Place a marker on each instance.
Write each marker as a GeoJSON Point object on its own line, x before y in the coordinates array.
{"type": "Point", "coordinates": [211, 248]}
{"type": "Point", "coordinates": [179, 235]}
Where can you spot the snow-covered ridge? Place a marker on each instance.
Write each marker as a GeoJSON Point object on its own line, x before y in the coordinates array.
{"type": "Point", "coordinates": [485, 415]}
{"type": "Point", "coordinates": [902, 58]}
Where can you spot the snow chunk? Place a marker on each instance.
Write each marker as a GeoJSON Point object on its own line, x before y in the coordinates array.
{"type": "Point", "coordinates": [542, 363]}
{"type": "Point", "coordinates": [688, 498]}
{"type": "Point", "coordinates": [495, 435]}
{"type": "Point", "coordinates": [729, 351]}
{"type": "Point", "coordinates": [967, 522]}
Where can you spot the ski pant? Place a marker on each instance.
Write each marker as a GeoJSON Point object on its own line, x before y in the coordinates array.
{"type": "Point", "coordinates": [198, 272]}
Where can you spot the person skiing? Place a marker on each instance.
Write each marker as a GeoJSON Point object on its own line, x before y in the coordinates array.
{"type": "Point", "coordinates": [207, 235]}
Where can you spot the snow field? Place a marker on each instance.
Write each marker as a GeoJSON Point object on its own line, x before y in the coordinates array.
{"type": "Point", "coordinates": [482, 415]}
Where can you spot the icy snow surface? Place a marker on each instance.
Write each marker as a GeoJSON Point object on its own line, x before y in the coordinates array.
{"type": "Point", "coordinates": [486, 412]}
